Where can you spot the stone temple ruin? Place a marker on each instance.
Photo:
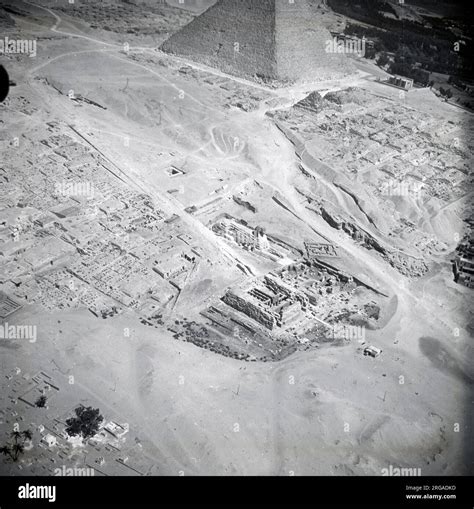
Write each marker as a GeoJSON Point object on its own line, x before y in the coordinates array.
{"type": "Point", "coordinates": [267, 40]}
{"type": "Point", "coordinates": [464, 263]}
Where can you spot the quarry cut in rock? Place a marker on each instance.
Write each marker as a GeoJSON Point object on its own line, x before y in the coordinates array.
{"type": "Point", "coordinates": [265, 40]}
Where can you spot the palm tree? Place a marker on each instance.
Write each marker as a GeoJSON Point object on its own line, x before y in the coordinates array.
{"type": "Point", "coordinates": [16, 435]}
{"type": "Point", "coordinates": [27, 434]}
{"type": "Point", "coordinates": [41, 401]}
{"type": "Point", "coordinates": [17, 450]}
{"type": "Point", "coordinates": [18, 447]}
{"type": "Point", "coordinates": [6, 450]}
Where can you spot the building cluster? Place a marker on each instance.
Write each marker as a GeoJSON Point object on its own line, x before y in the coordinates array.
{"type": "Point", "coordinates": [294, 299]}
{"type": "Point", "coordinates": [464, 262]}
{"type": "Point", "coordinates": [75, 236]}
{"type": "Point", "coordinates": [7, 306]}
{"type": "Point", "coordinates": [315, 250]}
{"type": "Point", "coordinates": [269, 302]}
{"type": "Point", "coordinates": [401, 82]}
{"type": "Point", "coordinates": [51, 451]}
{"type": "Point", "coordinates": [392, 142]}
{"type": "Point", "coordinates": [253, 239]}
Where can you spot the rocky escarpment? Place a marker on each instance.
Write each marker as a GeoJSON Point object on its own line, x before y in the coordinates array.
{"type": "Point", "coordinates": [405, 264]}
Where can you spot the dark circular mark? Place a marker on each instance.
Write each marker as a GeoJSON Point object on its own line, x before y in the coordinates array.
{"type": "Point", "coordinates": [4, 83]}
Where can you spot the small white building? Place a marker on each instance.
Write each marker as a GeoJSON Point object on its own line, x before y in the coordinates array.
{"type": "Point", "coordinates": [117, 430]}
{"type": "Point", "coordinates": [372, 351]}
{"type": "Point", "coordinates": [50, 440]}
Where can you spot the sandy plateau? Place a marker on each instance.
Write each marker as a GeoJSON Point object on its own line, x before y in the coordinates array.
{"type": "Point", "coordinates": [205, 147]}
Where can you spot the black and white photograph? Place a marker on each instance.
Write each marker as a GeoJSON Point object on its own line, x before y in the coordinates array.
{"type": "Point", "coordinates": [236, 241]}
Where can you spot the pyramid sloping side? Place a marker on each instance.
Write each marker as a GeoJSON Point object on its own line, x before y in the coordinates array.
{"type": "Point", "coordinates": [269, 39]}
{"type": "Point", "coordinates": [235, 36]}
{"type": "Point", "coordinates": [301, 43]}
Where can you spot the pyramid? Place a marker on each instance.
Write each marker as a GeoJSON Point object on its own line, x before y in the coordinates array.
{"type": "Point", "coordinates": [268, 40]}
